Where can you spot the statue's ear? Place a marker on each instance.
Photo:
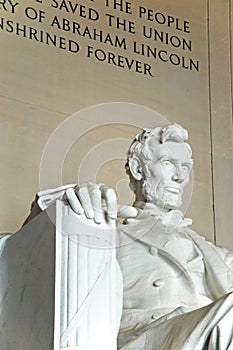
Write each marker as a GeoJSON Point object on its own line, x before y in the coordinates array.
{"type": "Point", "coordinates": [135, 168]}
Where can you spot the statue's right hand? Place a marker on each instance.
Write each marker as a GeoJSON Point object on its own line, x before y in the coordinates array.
{"type": "Point", "coordinates": [97, 202]}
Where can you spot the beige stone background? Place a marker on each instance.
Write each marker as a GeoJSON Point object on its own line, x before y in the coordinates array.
{"type": "Point", "coordinates": [41, 86]}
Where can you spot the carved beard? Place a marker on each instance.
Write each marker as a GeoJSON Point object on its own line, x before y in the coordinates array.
{"type": "Point", "coordinates": [159, 196]}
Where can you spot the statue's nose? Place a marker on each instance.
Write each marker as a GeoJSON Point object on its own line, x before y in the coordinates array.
{"type": "Point", "coordinates": [178, 176]}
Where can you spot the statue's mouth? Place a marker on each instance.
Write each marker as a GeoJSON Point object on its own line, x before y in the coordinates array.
{"type": "Point", "coordinates": [173, 190]}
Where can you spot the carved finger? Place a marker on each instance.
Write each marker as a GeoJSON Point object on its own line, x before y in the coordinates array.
{"type": "Point", "coordinates": [109, 195]}
{"type": "Point", "coordinates": [84, 197]}
{"type": "Point", "coordinates": [73, 201]}
{"type": "Point", "coordinates": [126, 211]}
{"type": "Point", "coordinates": [95, 195]}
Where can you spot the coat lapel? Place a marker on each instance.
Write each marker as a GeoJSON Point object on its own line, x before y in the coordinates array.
{"type": "Point", "coordinates": [217, 270]}
{"type": "Point", "coordinates": [148, 230]}
{"type": "Point", "coordinates": [150, 233]}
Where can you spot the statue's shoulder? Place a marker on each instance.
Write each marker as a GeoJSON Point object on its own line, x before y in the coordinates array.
{"type": "Point", "coordinates": [209, 247]}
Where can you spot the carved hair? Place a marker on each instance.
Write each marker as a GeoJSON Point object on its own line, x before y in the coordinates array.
{"type": "Point", "coordinates": [141, 147]}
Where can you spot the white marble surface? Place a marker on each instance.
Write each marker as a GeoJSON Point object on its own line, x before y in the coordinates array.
{"type": "Point", "coordinates": [56, 293]}
{"type": "Point", "coordinates": [27, 287]}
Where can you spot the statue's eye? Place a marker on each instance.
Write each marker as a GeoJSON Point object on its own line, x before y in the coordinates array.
{"type": "Point", "coordinates": [167, 162]}
{"type": "Point", "coordinates": [185, 167]}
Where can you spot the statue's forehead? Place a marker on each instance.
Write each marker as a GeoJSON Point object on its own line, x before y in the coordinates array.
{"type": "Point", "coordinates": [177, 151]}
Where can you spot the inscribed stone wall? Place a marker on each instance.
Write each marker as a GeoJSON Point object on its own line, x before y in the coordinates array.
{"type": "Point", "coordinates": [60, 57]}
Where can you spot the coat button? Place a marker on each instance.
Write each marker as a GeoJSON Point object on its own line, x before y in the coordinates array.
{"type": "Point", "coordinates": [152, 250]}
{"type": "Point", "coordinates": [168, 244]}
{"type": "Point", "coordinates": [158, 283]}
{"type": "Point", "coordinates": [153, 317]}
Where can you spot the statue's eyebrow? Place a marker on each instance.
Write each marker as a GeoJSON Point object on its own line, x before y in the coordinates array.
{"type": "Point", "coordinates": [188, 162]}
{"type": "Point", "coordinates": [167, 156]}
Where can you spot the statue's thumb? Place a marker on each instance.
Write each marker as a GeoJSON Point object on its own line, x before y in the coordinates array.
{"type": "Point", "coordinates": [126, 211]}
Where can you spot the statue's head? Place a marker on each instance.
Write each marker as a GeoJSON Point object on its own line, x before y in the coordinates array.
{"type": "Point", "coordinates": [159, 162]}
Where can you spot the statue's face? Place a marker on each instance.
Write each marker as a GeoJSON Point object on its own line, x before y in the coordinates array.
{"type": "Point", "coordinates": [169, 173]}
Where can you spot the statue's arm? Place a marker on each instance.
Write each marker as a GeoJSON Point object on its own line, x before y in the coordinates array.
{"type": "Point", "coordinates": [34, 211]}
